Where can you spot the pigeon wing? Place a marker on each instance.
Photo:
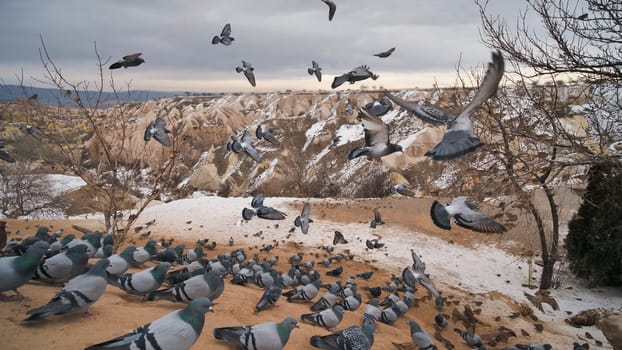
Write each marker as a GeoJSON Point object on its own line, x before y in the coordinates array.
{"type": "Point", "coordinates": [440, 215]}
{"type": "Point", "coordinates": [376, 131]}
{"type": "Point", "coordinates": [257, 201]}
{"type": "Point", "coordinates": [226, 30]}
{"type": "Point", "coordinates": [488, 86]}
{"type": "Point", "coordinates": [250, 76]}
{"type": "Point", "coordinates": [427, 114]}
{"type": "Point", "coordinates": [132, 57]}
{"type": "Point", "coordinates": [161, 134]}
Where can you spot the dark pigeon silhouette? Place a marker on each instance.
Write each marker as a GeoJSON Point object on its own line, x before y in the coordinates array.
{"type": "Point", "coordinates": [248, 69]}
{"type": "Point", "coordinates": [331, 9]}
{"type": "Point", "coordinates": [157, 129]}
{"type": "Point", "coordinates": [265, 132]}
{"type": "Point", "coordinates": [315, 70]}
{"type": "Point", "coordinates": [377, 219]}
{"type": "Point", "coordinates": [379, 107]}
{"type": "Point", "coordinates": [225, 37]}
{"type": "Point", "coordinates": [132, 60]}
{"type": "Point", "coordinates": [357, 74]}
{"type": "Point", "coordinates": [385, 54]}
{"type": "Point", "coordinates": [464, 215]}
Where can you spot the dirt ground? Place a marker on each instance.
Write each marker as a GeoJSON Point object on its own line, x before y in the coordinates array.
{"type": "Point", "coordinates": [117, 313]}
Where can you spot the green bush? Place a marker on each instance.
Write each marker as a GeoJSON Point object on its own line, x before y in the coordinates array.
{"type": "Point", "coordinates": [594, 241]}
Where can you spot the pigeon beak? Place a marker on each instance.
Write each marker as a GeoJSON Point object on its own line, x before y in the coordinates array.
{"type": "Point", "coordinates": [211, 309]}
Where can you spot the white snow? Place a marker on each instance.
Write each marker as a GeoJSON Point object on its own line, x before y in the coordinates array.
{"type": "Point", "coordinates": [64, 183]}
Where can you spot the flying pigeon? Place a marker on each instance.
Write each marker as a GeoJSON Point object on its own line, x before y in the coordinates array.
{"type": "Point", "coordinates": [261, 210]}
{"type": "Point", "coordinates": [4, 155]}
{"type": "Point", "coordinates": [464, 215]}
{"type": "Point", "coordinates": [79, 293]}
{"type": "Point", "coordinates": [303, 219]}
{"type": "Point", "coordinates": [338, 238]}
{"type": "Point", "coordinates": [402, 189]}
{"type": "Point", "coordinates": [472, 340]}
{"type": "Point", "coordinates": [210, 284]}
{"type": "Point", "coordinates": [178, 330]}
{"type": "Point", "coordinates": [248, 69]}
{"type": "Point", "coordinates": [377, 219]}
{"type": "Point", "coordinates": [142, 282]}
{"type": "Point", "coordinates": [245, 145]}
{"type": "Point", "coordinates": [63, 266]}
{"type": "Point", "coordinates": [328, 318]}
{"type": "Point", "coordinates": [458, 139]}
{"type": "Point", "coordinates": [264, 132]}
{"type": "Point", "coordinates": [418, 275]}
{"type": "Point", "coordinates": [120, 263]}
{"type": "Point", "coordinates": [132, 60]}
{"type": "Point", "coordinates": [377, 143]}
{"type": "Point", "coordinates": [331, 8]}
{"type": "Point", "coordinates": [225, 37]}
{"type": "Point", "coordinates": [17, 270]}
{"type": "Point", "coordinates": [421, 337]}
{"type": "Point", "coordinates": [385, 54]}
{"type": "Point", "coordinates": [157, 129]}
{"type": "Point", "coordinates": [262, 336]}
{"type": "Point", "coordinates": [353, 337]}
{"type": "Point", "coordinates": [373, 244]}
{"type": "Point", "coordinates": [357, 74]}
{"type": "Point", "coordinates": [379, 107]}
{"type": "Point", "coordinates": [316, 69]}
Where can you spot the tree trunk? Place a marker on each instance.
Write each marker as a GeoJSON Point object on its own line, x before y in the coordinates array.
{"type": "Point", "coordinates": [547, 272]}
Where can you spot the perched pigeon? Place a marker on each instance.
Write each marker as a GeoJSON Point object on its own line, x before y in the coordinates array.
{"type": "Point", "coordinates": [132, 60]}
{"type": "Point", "coordinates": [440, 320]}
{"type": "Point", "coordinates": [265, 132]}
{"type": "Point", "coordinates": [335, 272]}
{"type": "Point", "coordinates": [4, 155]}
{"type": "Point", "coordinates": [57, 246]}
{"type": "Point", "coordinates": [402, 189]}
{"type": "Point", "coordinates": [377, 219]}
{"type": "Point", "coordinates": [178, 330]}
{"type": "Point", "coordinates": [303, 220]}
{"type": "Point", "coordinates": [390, 314]}
{"type": "Point", "coordinates": [317, 70]}
{"type": "Point", "coordinates": [357, 74]}
{"type": "Point", "coordinates": [327, 300]}
{"type": "Point", "coordinates": [421, 337]}
{"type": "Point", "coordinates": [143, 254]}
{"type": "Point", "coordinates": [17, 270]}
{"type": "Point", "coordinates": [170, 254]}
{"type": "Point", "coordinates": [379, 107]}
{"type": "Point", "coordinates": [472, 340]}
{"type": "Point", "coordinates": [63, 266]}
{"type": "Point", "coordinates": [157, 129]}
{"type": "Point", "coordinates": [225, 37]}
{"type": "Point", "coordinates": [331, 8]}
{"type": "Point", "coordinates": [142, 282]}
{"type": "Point", "coordinates": [79, 293]}
{"type": "Point", "coordinates": [339, 239]}
{"type": "Point", "coordinates": [351, 302]}
{"type": "Point", "coordinates": [120, 263]}
{"type": "Point", "coordinates": [464, 215]}
{"type": "Point", "coordinates": [458, 139]}
{"type": "Point", "coordinates": [385, 54]}
{"type": "Point", "coordinates": [262, 336]}
{"type": "Point", "coordinates": [248, 69]}
{"type": "Point", "coordinates": [531, 347]}
{"type": "Point", "coordinates": [373, 244]}
{"type": "Point", "coordinates": [328, 318]}
{"type": "Point", "coordinates": [270, 296]}
{"type": "Point", "coordinates": [365, 275]}
{"type": "Point", "coordinates": [245, 145]}
{"type": "Point", "coordinates": [210, 284]}
{"type": "Point", "coordinates": [351, 338]}
{"type": "Point", "coordinates": [377, 143]}
{"type": "Point", "coordinates": [304, 293]}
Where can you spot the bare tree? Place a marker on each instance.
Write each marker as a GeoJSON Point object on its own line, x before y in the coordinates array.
{"type": "Point", "coordinates": [532, 143]}
{"type": "Point", "coordinates": [94, 143]}
{"type": "Point", "coordinates": [23, 193]}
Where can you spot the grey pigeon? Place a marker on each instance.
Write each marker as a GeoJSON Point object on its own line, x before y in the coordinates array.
{"type": "Point", "coordinates": [78, 294]}
{"type": "Point", "coordinates": [417, 275]}
{"type": "Point", "coordinates": [262, 336]}
{"type": "Point", "coordinates": [142, 282]}
{"type": "Point", "coordinates": [390, 314]}
{"type": "Point", "coordinates": [91, 240]}
{"type": "Point", "coordinates": [178, 330]}
{"type": "Point", "coordinates": [303, 219]}
{"type": "Point", "coordinates": [427, 114]}
{"type": "Point", "coordinates": [374, 244]}
{"type": "Point", "coordinates": [104, 251]}
{"type": "Point", "coordinates": [304, 293]}
{"type": "Point", "coordinates": [372, 312]}
{"type": "Point", "coordinates": [351, 302]}
{"type": "Point", "coordinates": [379, 107]}
{"type": "Point", "coordinates": [248, 69]}
{"type": "Point", "coordinates": [338, 238]}
{"type": "Point", "coordinates": [143, 254]}
{"type": "Point", "coordinates": [132, 60]}
{"type": "Point", "coordinates": [377, 219]}
{"type": "Point", "coordinates": [402, 189]}
{"type": "Point", "coordinates": [385, 54]}
{"type": "Point", "coordinates": [357, 74]}
{"type": "Point", "coordinates": [532, 346]}
{"type": "Point", "coordinates": [351, 338]}
{"type": "Point", "coordinates": [377, 143]}
{"type": "Point", "coordinates": [225, 37]}
{"type": "Point", "coordinates": [210, 284]}
{"type": "Point", "coordinates": [266, 133]}
{"type": "Point", "coordinates": [270, 296]}
{"type": "Point", "coordinates": [464, 215]}
{"type": "Point", "coordinates": [157, 129]}
{"type": "Point", "coordinates": [327, 300]}
{"type": "Point", "coordinates": [316, 69]}
{"type": "Point", "coordinates": [421, 337]}
{"type": "Point", "coordinates": [472, 340]}
{"type": "Point", "coordinates": [328, 318]}
{"type": "Point", "coordinates": [17, 270]}
{"type": "Point", "coordinates": [245, 145]}
{"type": "Point", "coordinates": [120, 263]}
{"type": "Point", "coordinates": [4, 155]}
{"type": "Point", "coordinates": [440, 320]}
{"type": "Point", "coordinates": [63, 266]}
{"type": "Point", "coordinates": [331, 8]}
{"type": "Point", "coordinates": [57, 246]}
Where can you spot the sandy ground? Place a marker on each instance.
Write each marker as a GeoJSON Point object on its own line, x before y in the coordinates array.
{"type": "Point", "coordinates": [116, 313]}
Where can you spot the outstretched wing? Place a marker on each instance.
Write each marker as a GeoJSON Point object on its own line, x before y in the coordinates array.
{"type": "Point", "coordinates": [226, 30]}
{"type": "Point", "coordinates": [376, 131]}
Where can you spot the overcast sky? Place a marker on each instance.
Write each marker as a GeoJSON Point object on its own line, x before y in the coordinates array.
{"type": "Point", "coordinates": [279, 37]}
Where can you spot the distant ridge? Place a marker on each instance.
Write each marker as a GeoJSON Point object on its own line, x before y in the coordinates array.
{"type": "Point", "coordinates": [51, 96]}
